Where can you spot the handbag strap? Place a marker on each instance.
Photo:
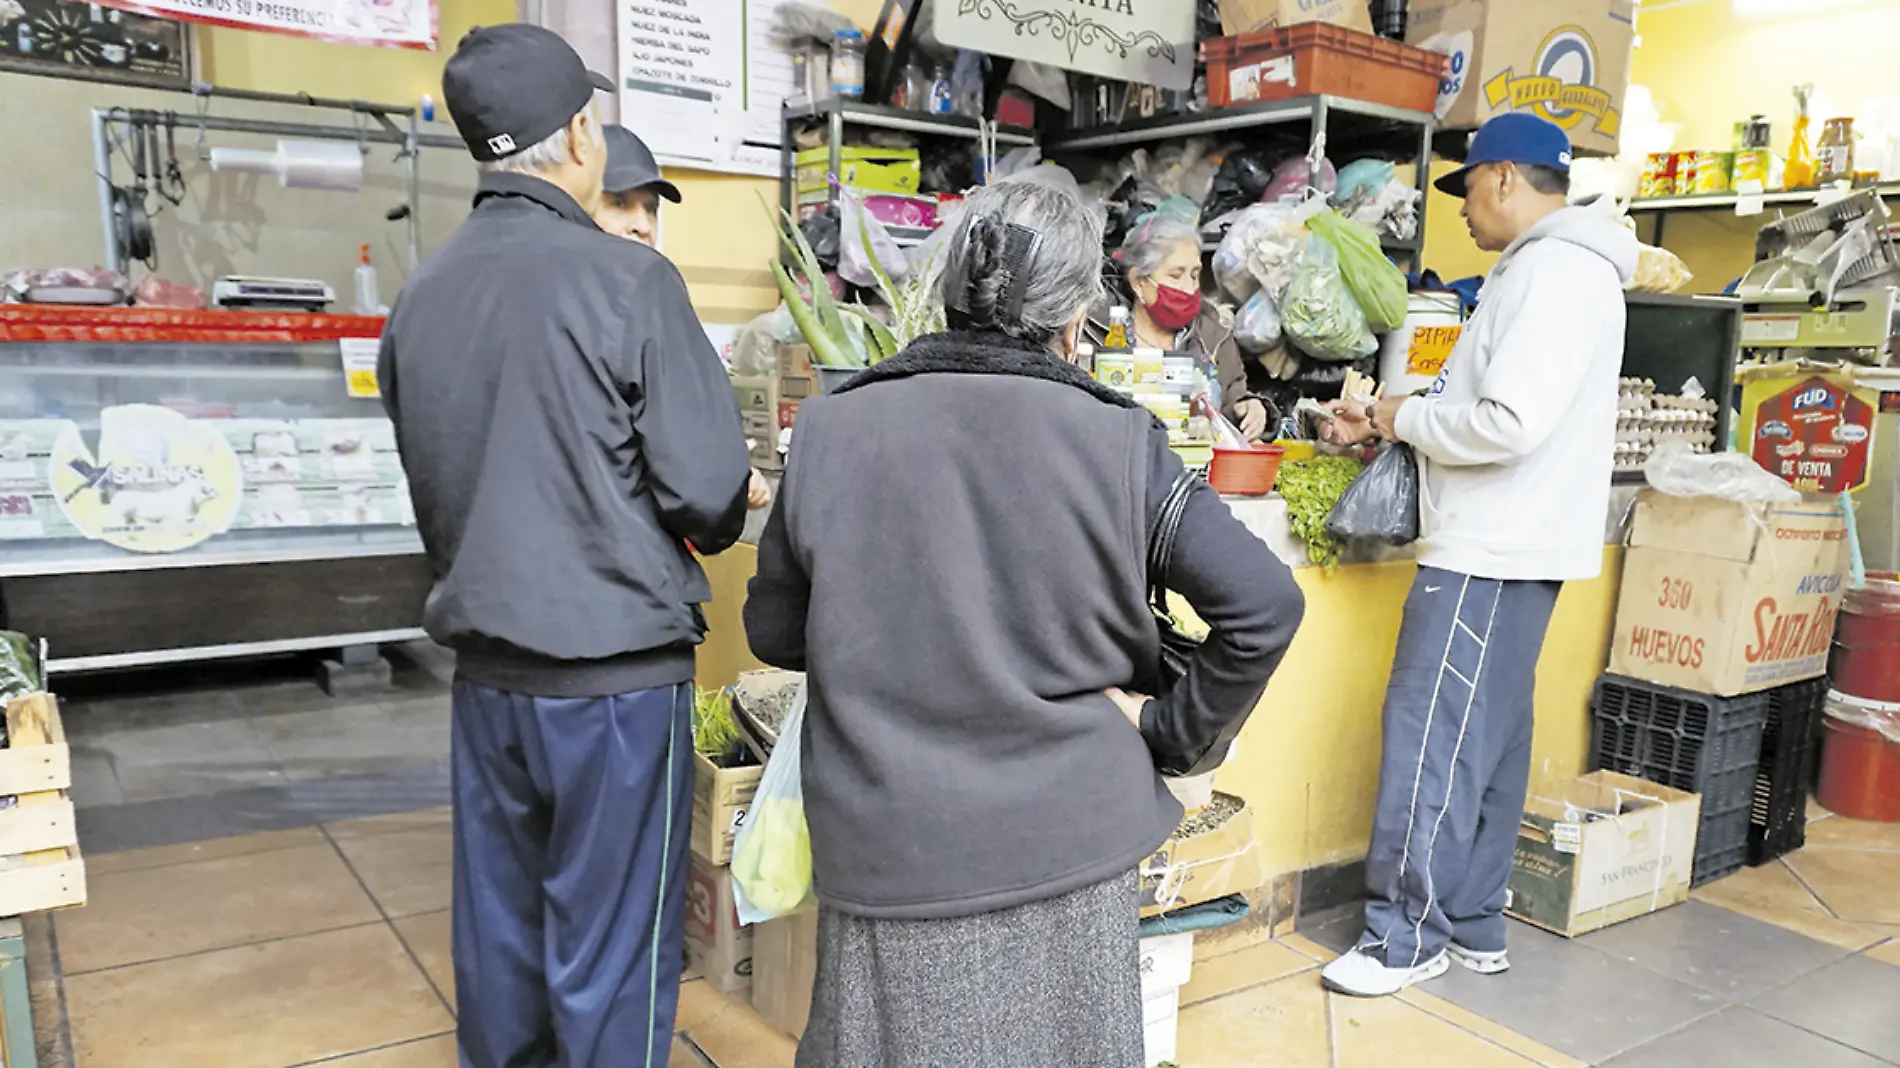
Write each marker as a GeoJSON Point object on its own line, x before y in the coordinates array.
{"type": "Point", "coordinates": [1161, 539]}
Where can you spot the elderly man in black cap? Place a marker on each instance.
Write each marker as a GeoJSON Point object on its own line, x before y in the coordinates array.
{"type": "Point", "coordinates": [633, 187]}
{"type": "Point", "coordinates": [570, 438]}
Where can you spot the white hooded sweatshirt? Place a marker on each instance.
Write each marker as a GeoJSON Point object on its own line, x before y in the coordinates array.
{"type": "Point", "coordinates": [1516, 439]}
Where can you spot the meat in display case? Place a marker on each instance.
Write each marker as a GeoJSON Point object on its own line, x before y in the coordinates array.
{"type": "Point", "coordinates": [189, 485]}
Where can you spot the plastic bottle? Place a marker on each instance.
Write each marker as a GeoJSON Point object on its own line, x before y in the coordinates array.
{"type": "Point", "coordinates": [847, 64]}
{"type": "Point", "coordinates": [1117, 337]}
{"type": "Point", "coordinates": [368, 296]}
{"type": "Point", "coordinates": [940, 91]}
{"type": "Point", "coordinates": [1837, 151]}
{"type": "Point", "coordinates": [1799, 173]}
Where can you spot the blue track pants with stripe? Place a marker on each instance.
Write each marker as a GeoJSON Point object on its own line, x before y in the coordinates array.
{"type": "Point", "coordinates": [571, 830]}
{"type": "Point", "coordinates": [1455, 765]}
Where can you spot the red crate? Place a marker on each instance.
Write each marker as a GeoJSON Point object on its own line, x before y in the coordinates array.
{"type": "Point", "coordinates": [1314, 58]}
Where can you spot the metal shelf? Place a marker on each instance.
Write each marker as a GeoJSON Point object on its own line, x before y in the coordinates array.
{"type": "Point", "coordinates": [1226, 120]}
{"type": "Point", "coordinates": [1727, 201]}
{"type": "Point", "coordinates": [1327, 120]}
{"type": "Point", "coordinates": [916, 122]}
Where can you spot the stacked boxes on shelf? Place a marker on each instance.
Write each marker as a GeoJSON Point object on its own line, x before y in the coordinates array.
{"type": "Point", "coordinates": [717, 947]}
{"type": "Point", "coordinates": [889, 179]}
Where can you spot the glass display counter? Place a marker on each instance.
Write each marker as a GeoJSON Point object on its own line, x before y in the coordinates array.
{"type": "Point", "coordinates": [187, 485]}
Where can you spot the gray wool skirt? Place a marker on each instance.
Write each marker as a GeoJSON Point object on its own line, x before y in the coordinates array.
{"type": "Point", "coordinates": [1052, 984]}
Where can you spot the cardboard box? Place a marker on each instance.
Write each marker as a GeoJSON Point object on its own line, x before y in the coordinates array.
{"type": "Point", "coordinates": [784, 969]}
{"type": "Point", "coordinates": [1726, 599]}
{"type": "Point", "coordinates": [1188, 871]}
{"type": "Point", "coordinates": [1564, 60]}
{"type": "Point", "coordinates": [1160, 1027]}
{"type": "Point", "coordinates": [1167, 963]}
{"type": "Point", "coordinates": [1600, 850]}
{"type": "Point", "coordinates": [717, 946]}
{"type": "Point", "coordinates": [758, 419]}
{"type": "Point", "coordinates": [1246, 16]}
{"type": "Point", "coordinates": [866, 168]}
{"type": "Point", "coordinates": [720, 799]}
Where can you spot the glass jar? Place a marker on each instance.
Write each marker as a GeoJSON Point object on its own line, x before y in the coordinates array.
{"type": "Point", "coordinates": [1835, 153]}
{"type": "Point", "coordinates": [847, 64]}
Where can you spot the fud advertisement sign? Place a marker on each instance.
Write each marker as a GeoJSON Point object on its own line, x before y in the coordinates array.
{"type": "Point", "coordinates": [1815, 432]}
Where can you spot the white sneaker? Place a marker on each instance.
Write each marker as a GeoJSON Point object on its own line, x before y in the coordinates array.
{"type": "Point", "coordinates": [1359, 975]}
{"type": "Point", "coordinates": [1478, 961]}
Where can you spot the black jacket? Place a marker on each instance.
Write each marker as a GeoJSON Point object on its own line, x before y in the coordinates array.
{"type": "Point", "coordinates": [567, 430]}
{"type": "Point", "coordinates": [958, 562]}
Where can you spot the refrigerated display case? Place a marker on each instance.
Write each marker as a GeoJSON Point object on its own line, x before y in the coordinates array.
{"type": "Point", "coordinates": [190, 485]}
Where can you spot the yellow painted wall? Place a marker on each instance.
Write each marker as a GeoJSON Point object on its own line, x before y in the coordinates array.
{"type": "Point", "coordinates": [1710, 66]}
{"type": "Point", "coordinates": [1308, 761]}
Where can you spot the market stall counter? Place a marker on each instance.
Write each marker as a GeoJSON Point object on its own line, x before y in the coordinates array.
{"type": "Point", "coordinates": [183, 485]}
{"type": "Point", "coordinates": [1307, 762]}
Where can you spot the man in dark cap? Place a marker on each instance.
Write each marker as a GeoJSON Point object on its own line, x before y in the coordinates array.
{"type": "Point", "coordinates": [570, 437]}
{"type": "Point", "coordinates": [633, 187]}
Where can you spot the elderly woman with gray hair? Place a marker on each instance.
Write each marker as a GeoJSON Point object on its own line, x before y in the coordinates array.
{"type": "Point", "coordinates": [1161, 263]}
{"type": "Point", "coordinates": [958, 563]}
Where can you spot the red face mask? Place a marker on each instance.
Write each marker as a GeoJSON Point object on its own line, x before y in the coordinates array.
{"type": "Point", "coordinates": [1174, 309]}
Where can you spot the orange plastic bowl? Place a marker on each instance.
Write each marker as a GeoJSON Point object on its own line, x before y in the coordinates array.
{"type": "Point", "coordinates": [1245, 472]}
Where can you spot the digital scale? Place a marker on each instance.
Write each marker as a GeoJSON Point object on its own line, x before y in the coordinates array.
{"type": "Point", "coordinates": [240, 292]}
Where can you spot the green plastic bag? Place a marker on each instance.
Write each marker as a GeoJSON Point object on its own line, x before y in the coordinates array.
{"type": "Point", "coordinates": [1319, 312]}
{"type": "Point", "coordinates": [771, 859]}
{"type": "Point", "coordinates": [1374, 281]}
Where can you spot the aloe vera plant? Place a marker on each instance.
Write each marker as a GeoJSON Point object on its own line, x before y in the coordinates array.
{"type": "Point", "coordinates": [838, 333]}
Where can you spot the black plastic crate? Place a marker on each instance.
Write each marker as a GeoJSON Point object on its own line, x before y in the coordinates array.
{"type": "Point", "coordinates": [1778, 824]}
{"type": "Point", "coordinates": [1687, 741]}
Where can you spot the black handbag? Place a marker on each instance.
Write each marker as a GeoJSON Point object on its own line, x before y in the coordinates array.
{"type": "Point", "coordinates": [1177, 649]}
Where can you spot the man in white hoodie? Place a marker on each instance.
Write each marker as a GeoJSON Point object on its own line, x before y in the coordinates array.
{"type": "Point", "coordinates": [1514, 444]}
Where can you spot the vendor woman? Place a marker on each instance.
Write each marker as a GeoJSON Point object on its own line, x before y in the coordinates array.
{"type": "Point", "coordinates": [1162, 260]}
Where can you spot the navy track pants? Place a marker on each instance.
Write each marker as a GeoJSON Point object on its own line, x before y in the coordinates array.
{"type": "Point", "coordinates": [571, 830]}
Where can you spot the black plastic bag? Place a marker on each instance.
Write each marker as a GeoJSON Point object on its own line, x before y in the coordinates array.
{"type": "Point", "coordinates": [821, 232]}
{"type": "Point", "coordinates": [1241, 181]}
{"type": "Point", "coordinates": [1382, 503]}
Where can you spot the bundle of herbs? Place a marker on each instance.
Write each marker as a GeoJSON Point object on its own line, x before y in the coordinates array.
{"type": "Point", "coordinates": [19, 670]}
{"type": "Point", "coordinates": [715, 734]}
{"type": "Point", "coordinates": [1311, 488]}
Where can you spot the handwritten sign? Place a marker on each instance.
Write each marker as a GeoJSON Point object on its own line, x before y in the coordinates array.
{"type": "Point", "coordinates": [1431, 346]}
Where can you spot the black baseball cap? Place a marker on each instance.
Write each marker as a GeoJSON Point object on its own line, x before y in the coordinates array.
{"type": "Point", "coordinates": [630, 165]}
{"type": "Point", "coordinates": [509, 87]}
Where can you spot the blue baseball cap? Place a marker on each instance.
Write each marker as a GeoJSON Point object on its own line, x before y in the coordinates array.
{"type": "Point", "coordinates": [1514, 137]}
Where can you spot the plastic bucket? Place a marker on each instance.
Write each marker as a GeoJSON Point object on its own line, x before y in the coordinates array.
{"type": "Point", "coordinates": [1860, 759]}
{"type": "Point", "coordinates": [1407, 358]}
{"type": "Point", "coordinates": [1245, 472]}
{"type": "Point", "coordinates": [1867, 645]}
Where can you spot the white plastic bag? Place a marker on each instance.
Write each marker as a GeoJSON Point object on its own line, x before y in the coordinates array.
{"type": "Point", "coordinates": [1679, 471]}
{"type": "Point", "coordinates": [771, 856]}
{"type": "Point", "coordinates": [1261, 249]}
{"type": "Point", "coordinates": [1257, 328]}
{"type": "Point", "coordinates": [854, 261]}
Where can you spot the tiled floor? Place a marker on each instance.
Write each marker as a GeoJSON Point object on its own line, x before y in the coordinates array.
{"type": "Point", "coordinates": [270, 885]}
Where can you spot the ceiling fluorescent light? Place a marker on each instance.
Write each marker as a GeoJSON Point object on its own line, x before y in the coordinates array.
{"type": "Point", "coordinates": [1790, 7]}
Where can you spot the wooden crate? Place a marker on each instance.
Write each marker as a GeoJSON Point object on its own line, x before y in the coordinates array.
{"type": "Point", "coordinates": [36, 757]}
{"type": "Point", "coordinates": [40, 865]}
